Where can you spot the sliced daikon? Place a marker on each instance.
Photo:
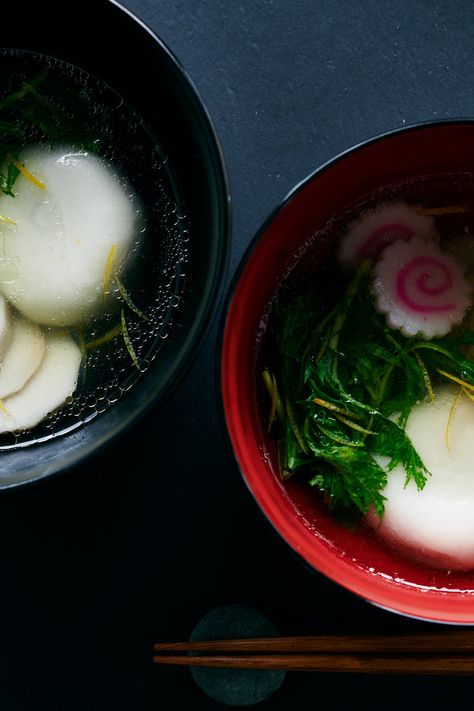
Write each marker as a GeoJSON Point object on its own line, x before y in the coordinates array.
{"type": "Point", "coordinates": [22, 357]}
{"type": "Point", "coordinates": [51, 385]}
{"type": "Point", "coordinates": [64, 234]}
{"type": "Point", "coordinates": [436, 524]}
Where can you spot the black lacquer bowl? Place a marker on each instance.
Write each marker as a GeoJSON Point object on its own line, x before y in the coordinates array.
{"type": "Point", "coordinates": [105, 41]}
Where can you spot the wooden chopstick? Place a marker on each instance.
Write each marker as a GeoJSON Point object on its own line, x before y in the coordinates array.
{"type": "Point", "coordinates": [455, 641]}
{"type": "Point", "coordinates": [445, 652]}
{"type": "Point", "coordinates": [461, 664]}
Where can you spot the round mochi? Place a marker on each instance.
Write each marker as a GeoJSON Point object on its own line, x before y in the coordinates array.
{"type": "Point", "coordinates": [436, 524]}
{"type": "Point", "coordinates": [22, 357]}
{"type": "Point", "coordinates": [64, 236]}
{"type": "Point", "coordinates": [49, 387]}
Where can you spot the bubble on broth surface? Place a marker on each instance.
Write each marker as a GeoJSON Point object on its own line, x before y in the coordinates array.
{"type": "Point", "coordinates": [88, 115]}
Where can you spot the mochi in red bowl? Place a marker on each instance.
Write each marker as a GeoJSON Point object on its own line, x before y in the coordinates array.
{"type": "Point", "coordinates": [434, 165]}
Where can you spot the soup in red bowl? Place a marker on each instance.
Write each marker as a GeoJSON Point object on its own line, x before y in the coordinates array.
{"type": "Point", "coordinates": [427, 173]}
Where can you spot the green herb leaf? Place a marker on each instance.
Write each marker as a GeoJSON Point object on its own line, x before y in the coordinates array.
{"type": "Point", "coordinates": [7, 182]}
{"type": "Point", "coordinates": [349, 383]}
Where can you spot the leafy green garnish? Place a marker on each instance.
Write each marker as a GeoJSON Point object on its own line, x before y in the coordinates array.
{"type": "Point", "coordinates": [348, 383]}
{"type": "Point", "coordinates": [41, 110]}
{"type": "Point", "coordinates": [7, 180]}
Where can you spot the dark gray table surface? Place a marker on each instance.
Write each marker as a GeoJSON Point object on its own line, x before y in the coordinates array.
{"type": "Point", "coordinates": [142, 542]}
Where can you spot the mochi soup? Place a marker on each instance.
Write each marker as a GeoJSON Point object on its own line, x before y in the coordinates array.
{"type": "Point", "coordinates": [93, 247]}
{"type": "Point", "coordinates": [366, 369]}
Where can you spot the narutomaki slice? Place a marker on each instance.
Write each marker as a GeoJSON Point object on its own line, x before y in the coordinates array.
{"type": "Point", "coordinates": [421, 289]}
{"type": "Point", "coordinates": [368, 236]}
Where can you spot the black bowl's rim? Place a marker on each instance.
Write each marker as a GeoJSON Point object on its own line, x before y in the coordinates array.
{"type": "Point", "coordinates": [224, 319]}
{"type": "Point", "coordinates": [214, 303]}
{"type": "Point", "coordinates": [216, 288]}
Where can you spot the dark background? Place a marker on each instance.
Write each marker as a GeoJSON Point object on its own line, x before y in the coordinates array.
{"type": "Point", "coordinates": [138, 545]}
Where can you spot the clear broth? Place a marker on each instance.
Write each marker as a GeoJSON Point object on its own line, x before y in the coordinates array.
{"type": "Point", "coordinates": [91, 115]}
{"type": "Point", "coordinates": [317, 259]}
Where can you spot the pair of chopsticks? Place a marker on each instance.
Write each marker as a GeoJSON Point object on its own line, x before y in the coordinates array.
{"type": "Point", "coordinates": [450, 652]}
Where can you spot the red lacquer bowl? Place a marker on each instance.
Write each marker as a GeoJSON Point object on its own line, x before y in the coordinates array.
{"type": "Point", "coordinates": [358, 561]}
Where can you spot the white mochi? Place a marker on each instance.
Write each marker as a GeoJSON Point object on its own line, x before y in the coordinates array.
{"type": "Point", "coordinates": [57, 252]}
{"type": "Point", "coordinates": [436, 524]}
{"type": "Point", "coordinates": [54, 381]}
{"type": "Point", "coordinates": [22, 357]}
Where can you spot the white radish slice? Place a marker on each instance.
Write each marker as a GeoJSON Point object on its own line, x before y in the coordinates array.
{"type": "Point", "coordinates": [435, 524]}
{"type": "Point", "coordinates": [368, 236]}
{"type": "Point", "coordinates": [421, 289]}
{"type": "Point", "coordinates": [5, 326]}
{"type": "Point", "coordinates": [22, 357]}
{"type": "Point", "coordinates": [54, 381]}
{"type": "Point", "coordinates": [68, 235]}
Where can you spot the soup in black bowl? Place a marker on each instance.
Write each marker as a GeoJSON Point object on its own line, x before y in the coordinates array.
{"type": "Point", "coordinates": [114, 212]}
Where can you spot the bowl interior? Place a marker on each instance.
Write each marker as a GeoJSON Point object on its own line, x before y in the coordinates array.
{"type": "Point", "coordinates": [358, 561]}
{"type": "Point", "coordinates": [137, 66]}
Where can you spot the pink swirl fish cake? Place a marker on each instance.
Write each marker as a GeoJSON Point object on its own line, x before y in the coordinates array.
{"type": "Point", "coordinates": [421, 289]}
{"type": "Point", "coordinates": [370, 234]}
